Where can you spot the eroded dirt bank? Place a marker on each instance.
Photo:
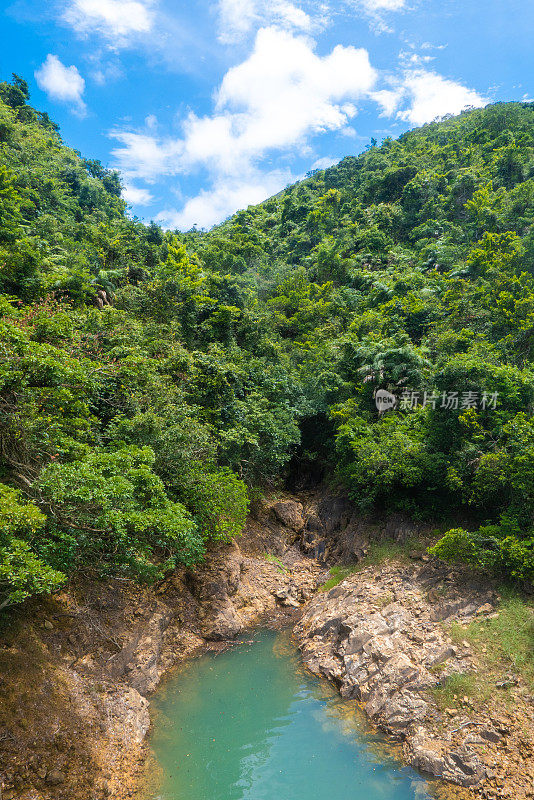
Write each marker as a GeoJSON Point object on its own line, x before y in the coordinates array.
{"type": "Point", "coordinates": [76, 673]}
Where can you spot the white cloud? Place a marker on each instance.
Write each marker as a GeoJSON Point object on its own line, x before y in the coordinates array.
{"type": "Point", "coordinates": [389, 99]}
{"type": "Point", "coordinates": [60, 82]}
{"type": "Point", "coordinates": [114, 19]}
{"type": "Point", "coordinates": [274, 103]}
{"type": "Point", "coordinates": [383, 5]}
{"type": "Point", "coordinates": [275, 100]}
{"type": "Point", "coordinates": [224, 197]}
{"type": "Point", "coordinates": [292, 16]}
{"type": "Point", "coordinates": [238, 18]}
{"type": "Point", "coordinates": [282, 94]}
{"type": "Point", "coordinates": [430, 95]}
{"type": "Point", "coordinates": [324, 162]}
{"type": "Point", "coordinates": [144, 156]}
{"type": "Point", "coordinates": [377, 11]}
{"type": "Point", "coordinates": [136, 195]}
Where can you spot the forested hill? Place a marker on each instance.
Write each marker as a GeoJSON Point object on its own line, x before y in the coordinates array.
{"type": "Point", "coordinates": [151, 382]}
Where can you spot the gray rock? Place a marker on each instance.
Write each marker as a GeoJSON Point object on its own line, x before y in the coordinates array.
{"type": "Point", "coordinates": [491, 735]}
{"type": "Point", "coordinates": [441, 655]}
{"type": "Point", "coordinates": [429, 754]}
{"type": "Point", "coordinates": [381, 658]}
{"type": "Point", "coordinates": [403, 709]}
{"type": "Point", "coordinates": [464, 767]}
{"type": "Point", "coordinates": [429, 761]}
{"type": "Point", "coordinates": [225, 625]}
{"type": "Point", "coordinates": [356, 642]}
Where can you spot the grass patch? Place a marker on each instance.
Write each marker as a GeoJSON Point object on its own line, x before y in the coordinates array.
{"type": "Point", "coordinates": [455, 687]}
{"type": "Point", "coordinates": [390, 550]}
{"type": "Point", "coordinates": [503, 645]}
{"type": "Point", "coordinates": [506, 643]}
{"type": "Point", "coordinates": [466, 690]}
{"type": "Point", "coordinates": [337, 574]}
{"type": "Point", "coordinates": [276, 561]}
{"type": "Point", "coordinates": [378, 552]}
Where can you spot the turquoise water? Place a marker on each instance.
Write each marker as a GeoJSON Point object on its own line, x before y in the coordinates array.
{"type": "Point", "coordinates": [251, 724]}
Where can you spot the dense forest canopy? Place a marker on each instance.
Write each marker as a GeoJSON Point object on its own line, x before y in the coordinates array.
{"type": "Point", "coordinates": [151, 381]}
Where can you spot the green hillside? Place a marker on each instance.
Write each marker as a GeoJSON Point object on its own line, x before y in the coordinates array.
{"type": "Point", "coordinates": [151, 382]}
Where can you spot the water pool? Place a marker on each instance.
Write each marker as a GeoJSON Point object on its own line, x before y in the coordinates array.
{"type": "Point", "coordinates": [252, 724]}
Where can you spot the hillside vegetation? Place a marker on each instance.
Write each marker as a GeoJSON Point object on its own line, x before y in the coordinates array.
{"type": "Point", "coordinates": [150, 381]}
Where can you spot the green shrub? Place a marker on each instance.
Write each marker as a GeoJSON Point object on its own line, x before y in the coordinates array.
{"type": "Point", "coordinates": [116, 511]}
{"type": "Point", "coordinates": [22, 573]}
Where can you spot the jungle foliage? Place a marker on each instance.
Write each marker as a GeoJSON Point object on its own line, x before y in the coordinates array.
{"type": "Point", "coordinates": [149, 379]}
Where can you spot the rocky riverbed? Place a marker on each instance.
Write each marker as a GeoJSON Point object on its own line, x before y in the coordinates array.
{"type": "Point", "coordinates": [77, 672]}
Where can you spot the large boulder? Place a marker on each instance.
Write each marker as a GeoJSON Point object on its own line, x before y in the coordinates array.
{"type": "Point", "coordinates": [289, 513]}
{"type": "Point", "coordinates": [226, 624]}
{"type": "Point", "coordinates": [428, 754]}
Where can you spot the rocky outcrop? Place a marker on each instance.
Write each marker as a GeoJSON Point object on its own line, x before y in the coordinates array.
{"type": "Point", "coordinates": [379, 637]}
{"type": "Point", "coordinates": [289, 513]}
{"type": "Point", "coordinates": [331, 520]}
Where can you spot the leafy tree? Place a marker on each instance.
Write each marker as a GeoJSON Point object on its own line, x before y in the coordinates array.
{"type": "Point", "coordinates": [109, 512]}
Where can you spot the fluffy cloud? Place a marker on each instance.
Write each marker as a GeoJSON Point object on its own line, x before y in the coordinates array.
{"type": "Point", "coordinates": [60, 82]}
{"type": "Point", "coordinates": [226, 195]}
{"type": "Point", "coordinates": [144, 156]}
{"type": "Point", "coordinates": [431, 95]}
{"type": "Point", "coordinates": [422, 95]}
{"type": "Point", "coordinates": [136, 195]}
{"type": "Point", "coordinates": [114, 19]}
{"type": "Point", "coordinates": [237, 18]}
{"type": "Point", "coordinates": [276, 99]}
{"type": "Point", "coordinates": [275, 102]}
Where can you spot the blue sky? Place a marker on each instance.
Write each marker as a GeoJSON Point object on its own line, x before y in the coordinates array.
{"type": "Point", "coordinates": [206, 107]}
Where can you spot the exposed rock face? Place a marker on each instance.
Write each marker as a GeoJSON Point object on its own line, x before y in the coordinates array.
{"type": "Point", "coordinates": [289, 513]}
{"type": "Point", "coordinates": [139, 658]}
{"type": "Point", "coordinates": [378, 637]}
{"type": "Point", "coordinates": [333, 520]}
